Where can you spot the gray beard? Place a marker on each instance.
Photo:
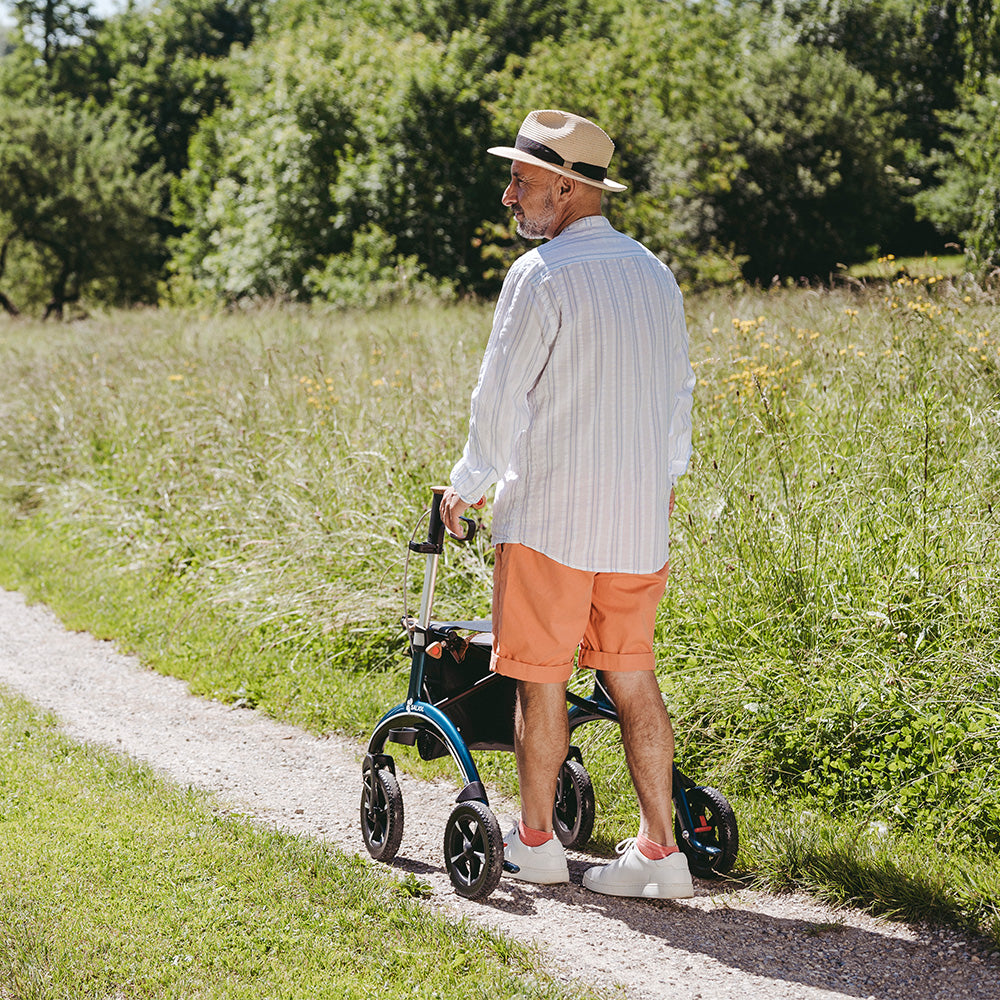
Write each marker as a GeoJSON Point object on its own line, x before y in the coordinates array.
{"type": "Point", "coordinates": [535, 229]}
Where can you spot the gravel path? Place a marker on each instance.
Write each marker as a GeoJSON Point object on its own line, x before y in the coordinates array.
{"type": "Point", "coordinates": [727, 942]}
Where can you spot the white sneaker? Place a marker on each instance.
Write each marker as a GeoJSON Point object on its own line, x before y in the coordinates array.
{"type": "Point", "coordinates": [545, 865]}
{"type": "Point", "coordinates": [633, 874]}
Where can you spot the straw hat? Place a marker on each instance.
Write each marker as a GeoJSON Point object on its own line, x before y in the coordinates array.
{"type": "Point", "coordinates": [566, 144]}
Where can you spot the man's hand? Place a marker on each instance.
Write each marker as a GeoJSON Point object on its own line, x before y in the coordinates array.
{"type": "Point", "coordinates": [670, 509]}
{"type": "Point", "coordinates": [452, 508]}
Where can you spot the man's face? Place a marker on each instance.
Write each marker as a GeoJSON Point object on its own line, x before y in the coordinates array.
{"type": "Point", "coordinates": [529, 194]}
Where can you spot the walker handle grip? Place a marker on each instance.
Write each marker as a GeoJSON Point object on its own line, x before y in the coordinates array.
{"type": "Point", "coordinates": [471, 526]}
{"type": "Point", "coordinates": [434, 545]}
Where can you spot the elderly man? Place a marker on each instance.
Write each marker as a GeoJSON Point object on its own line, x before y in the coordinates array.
{"type": "Point", "coordinates": [582, 416]}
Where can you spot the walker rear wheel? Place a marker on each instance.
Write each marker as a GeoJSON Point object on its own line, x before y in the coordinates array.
{"type": "Point", "coordinates": [473, 849]}
{"type": "Point", "coordinates": [574, 810]}
{"type": "Point", "coordinates": [714, 826]}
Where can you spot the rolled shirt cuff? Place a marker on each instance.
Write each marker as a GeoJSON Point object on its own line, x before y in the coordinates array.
{"type": "Point", "coordinates": [470, 484]}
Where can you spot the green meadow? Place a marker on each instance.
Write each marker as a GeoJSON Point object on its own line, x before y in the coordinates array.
{"type": "Point", "coordinates": [230, 494]}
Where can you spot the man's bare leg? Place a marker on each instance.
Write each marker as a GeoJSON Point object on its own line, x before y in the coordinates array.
{"type": "Point", "coordinates": [541, 742]}
{"type": "Point", "coordinates": [648, 739]}
{"type": "Point", "coordinates": [649, 749]}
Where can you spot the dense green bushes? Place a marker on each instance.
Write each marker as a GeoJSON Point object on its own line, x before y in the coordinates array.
{"type": "Point", "coordinates": [325, 140]}
{"type": "Point", "coordinates": [757, 139]}
{"type": "Point", "coordinates": [79, 207]}
{"type": "Point", "coordinates": [967, 199]}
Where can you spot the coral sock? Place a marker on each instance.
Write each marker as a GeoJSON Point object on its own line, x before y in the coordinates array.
{"type": "Point", "coordinates": [652, 850]}
{"type": "Point", "coordinates": [532, 838]}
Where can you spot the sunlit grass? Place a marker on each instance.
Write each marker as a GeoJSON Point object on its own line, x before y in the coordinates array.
{"type": "Point", "coordinates": [113, 884]}
{"type": "Point", "coordinates": [947, 266]}
{"type": "Point", "coordinates": [235, 493]}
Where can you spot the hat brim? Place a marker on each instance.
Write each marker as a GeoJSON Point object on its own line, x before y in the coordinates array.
{"type": "Point", "coordinates": [510, 153]}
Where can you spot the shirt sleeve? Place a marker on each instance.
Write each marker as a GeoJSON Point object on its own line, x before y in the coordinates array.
{"type": "Point", "coordinates": [679, 434]}
{"type": "Point", "coordinates": [524, 327]}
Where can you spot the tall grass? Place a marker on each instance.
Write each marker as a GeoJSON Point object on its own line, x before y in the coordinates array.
{"type": "Point", "coordinates": [838, 560]}
{"type": "Point", "coordinates": [829, 638]}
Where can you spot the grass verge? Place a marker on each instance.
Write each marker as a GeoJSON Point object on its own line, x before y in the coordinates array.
{"type": "Point", "coordinates": [786, 844]}
{"type": "Point", "coordinates": [115, 884]}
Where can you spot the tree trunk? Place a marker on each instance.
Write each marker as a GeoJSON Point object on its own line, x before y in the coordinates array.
{"type": "Point", "coordinates": [5, 303]}
{"type": "Point", "coordinates": [58, 300]}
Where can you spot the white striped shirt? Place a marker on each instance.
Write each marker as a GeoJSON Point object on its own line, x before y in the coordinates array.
{"type": "Point", "coordinates": [582, 411]}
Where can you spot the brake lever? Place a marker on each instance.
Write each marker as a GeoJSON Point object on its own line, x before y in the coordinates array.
{"type": "Point", "coordinates": [470, 530]}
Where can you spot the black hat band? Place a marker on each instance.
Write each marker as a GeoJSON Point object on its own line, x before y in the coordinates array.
{"type": "Point", "coordinates": [543, 152]}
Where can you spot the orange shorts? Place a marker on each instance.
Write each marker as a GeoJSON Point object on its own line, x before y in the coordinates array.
{"type": "Point", "coordinates": [544, 611]}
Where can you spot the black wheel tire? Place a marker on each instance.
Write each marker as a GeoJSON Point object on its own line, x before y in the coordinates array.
{"type": "Point", "coordinates": [715, 826]}
{"type": "Point", "coordinates": [381, 813]}
{"type": "Point", "coordinates": [574, 810]}
{"type": "Point", "coordinates": [473, 850]}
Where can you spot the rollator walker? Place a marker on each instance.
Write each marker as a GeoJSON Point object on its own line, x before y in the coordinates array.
{"type": "Point", "coordinates": [455, 705]}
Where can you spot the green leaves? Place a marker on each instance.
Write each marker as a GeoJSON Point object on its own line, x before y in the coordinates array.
{"type": "Point", "coordinates": [967, 199]}
{"type": "Point", "coordinates": [757, 140]}
{"type": "Point", "coordinates": [814, 144]}
{"type": "Point", "coordinates": [326, 156]}
{"type": "Point", "coordinates": [74, 195]}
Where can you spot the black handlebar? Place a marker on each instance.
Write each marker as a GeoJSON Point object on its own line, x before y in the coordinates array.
{"type": "Point", "coordinates": [470, 530]}
{"type": "Point", "coordinates": [434, 545]}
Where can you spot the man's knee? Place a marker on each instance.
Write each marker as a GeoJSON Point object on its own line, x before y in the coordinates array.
{"type": "Point", "coordinates": [541, 701]}
{"type": "Point", "coordinates": [628, 686]}
{"type": "Point", "coordinates": [541, 719]}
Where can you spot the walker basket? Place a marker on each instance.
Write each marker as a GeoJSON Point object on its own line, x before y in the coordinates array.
{"type": "Point", "coordinates": [460, 683]}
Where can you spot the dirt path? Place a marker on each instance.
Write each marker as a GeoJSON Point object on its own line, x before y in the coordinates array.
{"type": "Point", "coordinates": [724, 943]}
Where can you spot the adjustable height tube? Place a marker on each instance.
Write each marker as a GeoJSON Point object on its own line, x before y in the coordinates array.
{"type": "Point", "coordinates": [432, 548]}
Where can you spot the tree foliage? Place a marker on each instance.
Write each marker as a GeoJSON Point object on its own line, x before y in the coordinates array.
{"type": "Point", "coordinates": [56, 29]}
{"type": "Point", "coordinates": [814, 169]}
{"type": "Point", "coordinates": [771, 138]}
{"type": "Point", "coordinates": [72, 195]}
{"type": "Point", "coordinates": [967, 198]}
{"type": "Point", "coordinates": [324, 138]}
{"type": "Point", "coordinates": [163, 66]}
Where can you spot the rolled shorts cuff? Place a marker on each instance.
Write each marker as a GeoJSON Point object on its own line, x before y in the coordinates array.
{"type": "Point", "coordinates": [596, 659]}
{"type": "Point", "coordinates": [537, 673]}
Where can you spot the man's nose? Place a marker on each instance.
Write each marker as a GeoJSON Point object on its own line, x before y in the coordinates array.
{"type": "Point", "coordinates": [508, 195]}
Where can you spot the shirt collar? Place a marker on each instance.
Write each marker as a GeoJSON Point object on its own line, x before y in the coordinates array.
{"type": "Point", "coordinates": [587, 223]}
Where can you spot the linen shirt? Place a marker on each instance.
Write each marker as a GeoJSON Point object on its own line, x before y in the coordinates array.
{"type": "Point", "coordinates": [582, 410]}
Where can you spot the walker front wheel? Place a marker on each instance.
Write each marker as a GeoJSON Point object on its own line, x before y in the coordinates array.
{"type": "Point", "coordinates": [381, 812]}
{"type": "Point", "coordinates": [473, 849]}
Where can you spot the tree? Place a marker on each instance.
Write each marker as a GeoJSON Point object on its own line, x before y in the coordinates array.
{"type": "Point", "coordinates": [55, 27]}
{"type": "Point", "coordinates": [661, 64]}
{"type": "Point", "coordinates": [52, 52]}
{"type": "Point", "coordinates": [815, 167]}
{"type": "Point", "coordinates": [979, 26]}
{"type": "Point", "coordinates": [255, 205]}
{"type": "Point", "coordinates": [913, 50]}
{"type": "Point", "coordinates": [505, 27]}
{"type": "Point", "coordinates": [329, 137]}
{"type": "Point", "coordinates": [6, 43]}
{"type": "Point", "coordinates": [72, 194]}
{"type": "Point", "coordinates": [164, 67]}
{"type": "Point", "coordinates": [966, 199]}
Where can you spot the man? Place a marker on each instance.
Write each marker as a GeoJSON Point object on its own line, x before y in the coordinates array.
{"type": "Point", "coordinates": [582, 416]}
